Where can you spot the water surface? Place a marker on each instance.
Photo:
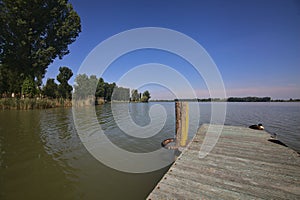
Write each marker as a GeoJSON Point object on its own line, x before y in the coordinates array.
{"type": "Point", "coordinates": [42, 157]}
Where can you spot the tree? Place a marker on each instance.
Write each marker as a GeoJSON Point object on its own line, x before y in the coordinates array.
{"type": "Point", "coordinates": [81, 86]}
{"type": "Point", "coordinates": [9, 82]}
{"type": "Point", "coordinates": [100, 88]}
{"type": "Point", "coordinates": [121, 94]}
{"type": "Point", "coordinates": [4, 87]}
{"type": "Point", "coordinates": [28, 88]}
{"type": "Point", "coordinates": [64, 89]}
{"type": "Point", "coordinates": [108, 90]}
{"type": "Point", "coordinates": [32, 35]}
{"type": "Point", "coordinates": [50, 89]}
{"type": "Point", "coordinates": [135, 95]}
{"type": "Point", "coordinates": [93, 81]}
{"type": "Point", "coordinates": [85, 86]}
{"type": "Point", "coordinates": [146, 96]}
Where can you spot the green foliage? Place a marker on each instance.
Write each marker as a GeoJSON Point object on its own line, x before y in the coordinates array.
{"type": "Point", "coordinates": [92, 86]}
{"type": "Point", "coordinates": [3, 81]}
{"type": "Point", "coordinates": [108, 90]}
{"type": "Point", "coordinates": [83, 87]}
{"type": "Point", "coordinates": [146, 96]}
{"type": "Point", "coordinates": [28, 88]}
{"type": "Point", "coordinates": [64, 75]}
{"type": "Point", "coordinates": [121, 94]}
{"type": "Point", "coordinates": [100, 88]}
{"type": "Point", "coordinates": [50, 90]}
{"type": "Point", "coordinates": [64, 89]}
{"type": "Point", "coordinates": [135, 95]}
{"type": "Point", "coordinates": [11, 81]}
{"type": "Point", "coordinates": [32, 35]}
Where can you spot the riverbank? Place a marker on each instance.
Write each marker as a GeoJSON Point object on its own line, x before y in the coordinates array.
{"type": "Point", "coordinates": [32, 103]}
{"type": "Point", "coordinates": [45, 103]}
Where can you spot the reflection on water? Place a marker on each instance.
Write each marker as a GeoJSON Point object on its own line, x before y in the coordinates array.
{"type": "Point", "coordinates": [43, 158]}
{"type": "Point", "coordinates": [139, 114]}
{"type": "Point", "coordinates": [41, 155]}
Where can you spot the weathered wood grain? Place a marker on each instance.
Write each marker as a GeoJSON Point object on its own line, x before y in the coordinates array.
{"type": "Point", "coordinates": [242, 165]}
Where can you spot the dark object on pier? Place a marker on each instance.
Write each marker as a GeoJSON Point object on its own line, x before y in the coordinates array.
{"type": "Point", "coordinates": [166, 142]}
{"type": "Point", "coordinates": [257, 127]}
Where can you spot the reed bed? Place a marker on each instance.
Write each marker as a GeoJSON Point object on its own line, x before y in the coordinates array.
{"type": "Point", "coordinates": [32, 103]}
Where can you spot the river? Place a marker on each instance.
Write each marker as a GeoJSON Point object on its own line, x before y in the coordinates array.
{"type": "Point", "coordinates": [42, 157]}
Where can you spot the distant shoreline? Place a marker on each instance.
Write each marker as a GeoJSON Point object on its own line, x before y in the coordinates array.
{"type": "Point", "coordinates": [230, 99]}
{"type": "Point", "coordinates": [45, 103]}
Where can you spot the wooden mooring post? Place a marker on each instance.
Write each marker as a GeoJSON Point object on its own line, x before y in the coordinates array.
{"type": "Point", "coordinates": [182, 127]}
{"type": "Point", "coordinates": [182, 123]}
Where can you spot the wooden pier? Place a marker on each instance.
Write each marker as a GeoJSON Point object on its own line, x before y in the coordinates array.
{"type": "Point", "coordinates": [244, 164]}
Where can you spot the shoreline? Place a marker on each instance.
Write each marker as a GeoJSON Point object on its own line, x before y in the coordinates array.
{"type": "Point", "coordinates": [46, 103]}
{"type": "Point", "coordinates": [32, 103]}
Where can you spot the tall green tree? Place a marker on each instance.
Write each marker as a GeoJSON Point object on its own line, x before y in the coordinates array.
{"type": "Point", "coordinates": [81, 86]}
{"type": "Point", "coordinates": [32, 34]}
{"type": "Point", "coordinates": [100, 88]}
{"type": "Point", "coordinates": [92, 84]}
{"type": "Point", "coordinates": [146, 96]}
{"type": "Point", "coordinates": [29, 88]}
{"type": "Point", "coordinates": [4, 87]}
{"type": "Point", "coordinates": [108, 90]}
{"type": "Point", "coordinates": [120, 94]}
{"type": "Point", "coordinates": [64, 89]}
{"type": "Point", "coordinates": [50, 89]}
{"type": "Point", "coordinates": [135, 95]}
{"type": "Point", "coordinates": [85, 86]}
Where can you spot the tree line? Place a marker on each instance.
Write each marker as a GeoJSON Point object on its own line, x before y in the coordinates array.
{"type": "Point", "coordinates": [230, 99]}
{"type": "Point", "coordinates": [249, 99]}
{"type": "Point", "coordinates": [84, 88]}
{"type": "Point", "coordinates": [139, 97]}
{"type": "Point", "coordinates": [91, 86]}
{"type": "Point", "coordinates": [52, 90]}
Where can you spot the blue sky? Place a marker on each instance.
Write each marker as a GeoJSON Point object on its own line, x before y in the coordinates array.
{"type": "Point", "coordinates": [255, 44]}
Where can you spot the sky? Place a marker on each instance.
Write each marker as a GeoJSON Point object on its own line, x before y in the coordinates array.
{"type": "Point", "coordinates": [255, 45]}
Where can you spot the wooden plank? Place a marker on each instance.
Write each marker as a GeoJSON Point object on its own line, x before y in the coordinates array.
{"type": "Point", "coordinates": [242, 165]}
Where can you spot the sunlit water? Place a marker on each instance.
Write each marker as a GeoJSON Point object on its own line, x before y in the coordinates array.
{"type": "Point", "coordinates": [42, 157]}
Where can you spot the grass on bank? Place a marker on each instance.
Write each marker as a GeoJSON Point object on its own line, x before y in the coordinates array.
{"type": "Point", "coordinates": [32, 103]}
